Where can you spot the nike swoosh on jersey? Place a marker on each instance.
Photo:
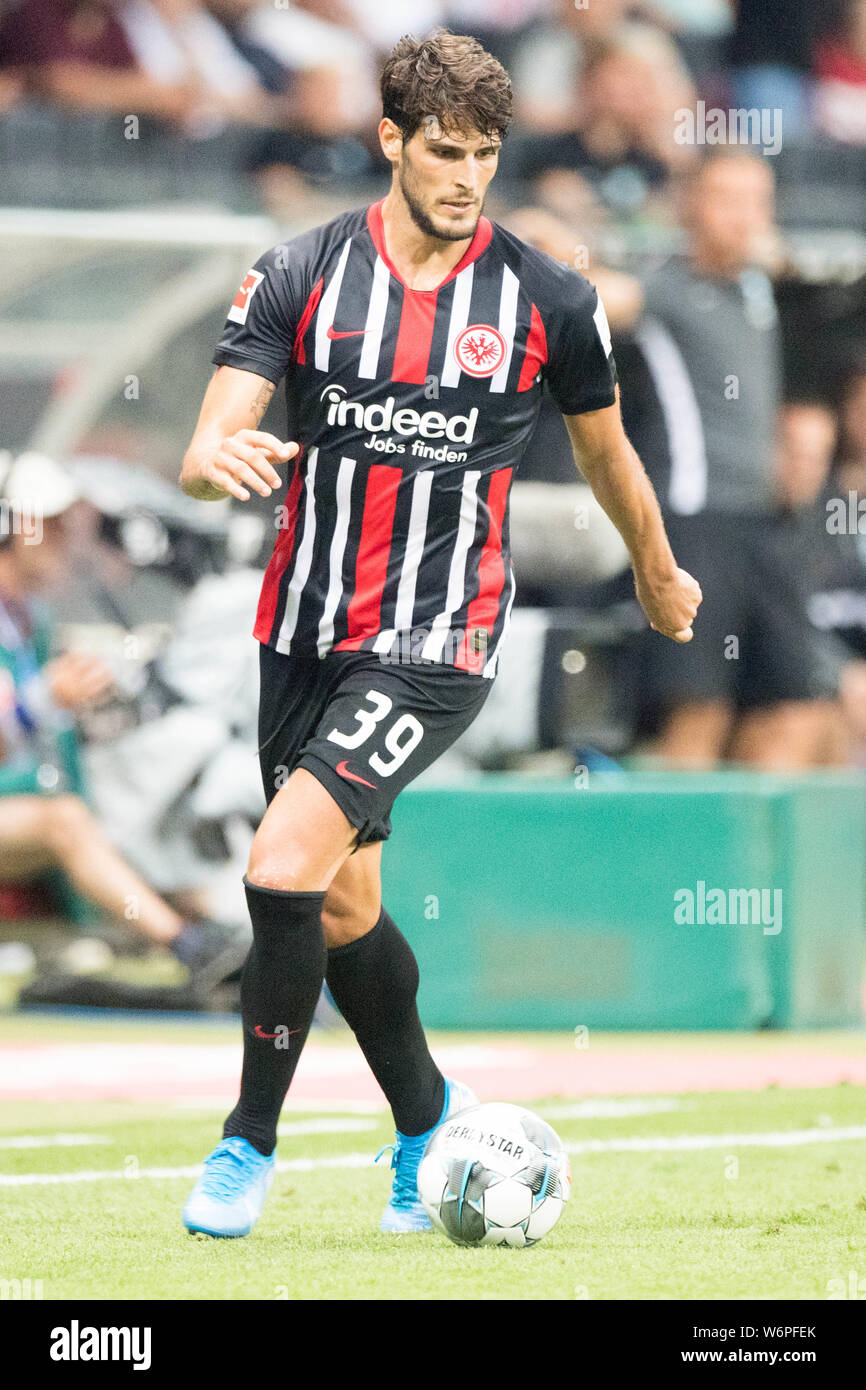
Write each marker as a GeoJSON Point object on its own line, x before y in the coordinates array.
{"type": "Point", "coordinates": [333, 333]}
{"type": "Point", "coordinates": [343, 771]}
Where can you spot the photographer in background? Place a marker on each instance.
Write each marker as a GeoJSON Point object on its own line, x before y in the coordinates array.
{"type": "Point", "coordinates": [45, 821]}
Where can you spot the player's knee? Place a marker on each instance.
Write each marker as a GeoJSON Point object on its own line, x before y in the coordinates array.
{"type": "Point", "coordinates": [265, 871]}
{"type": "Point", "coordinates": [281, 868]}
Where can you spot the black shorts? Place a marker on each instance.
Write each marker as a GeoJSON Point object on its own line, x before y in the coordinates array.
{"type": "Point", "coordinates": [753, 643]}
{"type": "Point", "coordinates": [363, 727]}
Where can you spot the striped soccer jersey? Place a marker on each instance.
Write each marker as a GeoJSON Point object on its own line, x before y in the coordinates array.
{"type": "Point", "coordinates": [412, 409]}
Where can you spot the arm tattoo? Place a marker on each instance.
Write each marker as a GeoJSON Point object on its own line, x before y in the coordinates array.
{"type": "Point", "coordinates": [262, 401]}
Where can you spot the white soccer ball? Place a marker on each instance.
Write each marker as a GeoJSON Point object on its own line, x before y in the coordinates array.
{"type": "Point", "coordinates": [494, 1175]}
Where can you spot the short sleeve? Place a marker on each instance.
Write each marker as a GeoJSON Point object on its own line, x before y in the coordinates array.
{"type": "Point", "coordinates": [581, 371]}
{"type": "Point", "coordinates": [261, 324]}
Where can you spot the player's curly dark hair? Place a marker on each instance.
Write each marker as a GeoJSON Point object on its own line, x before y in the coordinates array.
{"type": "Point", "coordinates": [449, 77]}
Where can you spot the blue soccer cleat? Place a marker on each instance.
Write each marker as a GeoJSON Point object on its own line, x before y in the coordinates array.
{"type": "Point", "coordinates": [405, 1211]}
{"type": "Point", "coordinates": [228, 1197]}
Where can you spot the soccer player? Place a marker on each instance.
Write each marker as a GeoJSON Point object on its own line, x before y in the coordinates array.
{"type": "Point", "coordinates": [413, 337]}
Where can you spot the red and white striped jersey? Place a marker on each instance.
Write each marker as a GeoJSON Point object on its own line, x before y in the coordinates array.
{"type": "Point", "coordinates": [412, 409]}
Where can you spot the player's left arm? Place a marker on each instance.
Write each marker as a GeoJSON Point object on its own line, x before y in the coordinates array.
{"type": "Point", "coordinates": [668, 595]}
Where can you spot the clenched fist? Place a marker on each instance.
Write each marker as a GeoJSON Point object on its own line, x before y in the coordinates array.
{"type": "Point", "coordinates": [670, 603]}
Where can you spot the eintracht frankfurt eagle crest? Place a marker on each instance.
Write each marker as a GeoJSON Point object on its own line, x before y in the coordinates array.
{"type": "Point", "coordinates": [480, 349]}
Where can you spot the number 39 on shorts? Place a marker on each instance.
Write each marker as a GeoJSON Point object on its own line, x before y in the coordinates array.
{"type": "Point", "coordinates": [401, 738]}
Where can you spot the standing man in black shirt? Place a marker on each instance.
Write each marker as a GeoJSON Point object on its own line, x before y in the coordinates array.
{"type": "Point", "coordinates": [702, 409]}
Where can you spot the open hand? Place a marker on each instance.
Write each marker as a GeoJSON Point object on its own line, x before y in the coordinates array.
{"type": "Point", "coordinates": [246, 460]}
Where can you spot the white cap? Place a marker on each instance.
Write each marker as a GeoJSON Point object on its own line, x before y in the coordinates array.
{"type": "Point", "coordinates": [37, 484]}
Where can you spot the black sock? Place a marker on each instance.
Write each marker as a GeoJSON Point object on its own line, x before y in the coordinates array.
{"type": "Point", "coordinates": [374, 981]}
{"type": "Point", "coordinates": [280, 988]}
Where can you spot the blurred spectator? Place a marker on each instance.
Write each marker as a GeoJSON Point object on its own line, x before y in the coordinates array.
{"type": "Point", "coordinates": [333, 107]}
{"type": "Point", "coordinates": [45, 821]}
{"type": "Point", "coordinates": [549, 67]}
{"type": "Point", "coordinates": [501, 26]}
{"type": "Point", "coordinates": [616, 128]}
{"type": "Point", "coordinates": [76, 53]}
{"type": "Point", "coordinates": [700, 29]}
{"type": "Point", "coordinates": [841, 69]}
{"type": "Point", "coordinates": [703, 417]}
{"type": "Point", "coordinates": [274, 74]}
{"type": "Point", "coordinates": [771, 53]}
{"type": "Point", "coordinates": [178, 43]}
{"type": "Point", "coordinates": [333, 68]}
{"type": "Point", "coordinates": [165, 58]}
{"type": "Point", "coordinates": [327, 51]}
{"type": "Point", "coordinates": [380, 25]}
{"type": "Point", "coordinates": [281, 72]}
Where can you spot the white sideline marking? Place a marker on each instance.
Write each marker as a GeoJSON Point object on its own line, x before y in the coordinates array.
{"type": "Point", "coordinates": [51, 1141]}
{"type": "Point", "coordinates": [189, 1170]}
{"type": "Point", "coordinates": [781, 1139]}
{"type": "Point", "coordinates": [604, 1109]}
{"type": "Point", "coordinates": [347, 1126]}
{"type": "Point", "coordinates": [777, 1139]}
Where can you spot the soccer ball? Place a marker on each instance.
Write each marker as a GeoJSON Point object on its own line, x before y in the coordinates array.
{"type": "Point", "coordinates": [494, 1175]}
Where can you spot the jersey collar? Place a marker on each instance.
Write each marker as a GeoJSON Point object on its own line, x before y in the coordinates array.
{"type": "Point", "coordinates": [478, 244]}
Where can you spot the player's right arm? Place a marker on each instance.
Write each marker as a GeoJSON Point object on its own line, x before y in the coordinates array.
{"type": "Point", "coordinates": [229, 454]}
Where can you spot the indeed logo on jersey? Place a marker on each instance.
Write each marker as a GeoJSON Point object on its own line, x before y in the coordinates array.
{"type": "Point", "coordinates": [381, 418]}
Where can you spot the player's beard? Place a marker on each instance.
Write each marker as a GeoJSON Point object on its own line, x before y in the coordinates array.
{"type": "Point", "coordinates": [422, 219]}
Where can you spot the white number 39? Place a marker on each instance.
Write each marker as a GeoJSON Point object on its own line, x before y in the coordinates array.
{"type": "Point", "coordinates": [404, 735]}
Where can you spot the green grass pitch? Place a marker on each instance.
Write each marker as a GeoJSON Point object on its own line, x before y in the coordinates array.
{"type": "Point", "coordinates": [730, 1221]}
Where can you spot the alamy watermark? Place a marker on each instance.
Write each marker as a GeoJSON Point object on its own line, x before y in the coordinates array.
{"type": "Point", "coordinates": [465, 647]}
{"type": "Point", "coordinates": [703, 906]}
{"type": "Point", "coordinates": [758, 126]}
{"type": "Point", "coordinates": [77, 1343]}
{"type": "Point", "coordinates": [20, 519]}
{"type": "Point", "coordinates": [17, 1290]}
{"type": "Point", "coordinates": [846, 516]}
{"type": "Point", "coordinates": [852, 1286]}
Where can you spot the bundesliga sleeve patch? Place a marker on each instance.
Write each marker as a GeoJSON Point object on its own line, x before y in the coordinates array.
{"type": "Point", "coordinates": [241, 303]}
